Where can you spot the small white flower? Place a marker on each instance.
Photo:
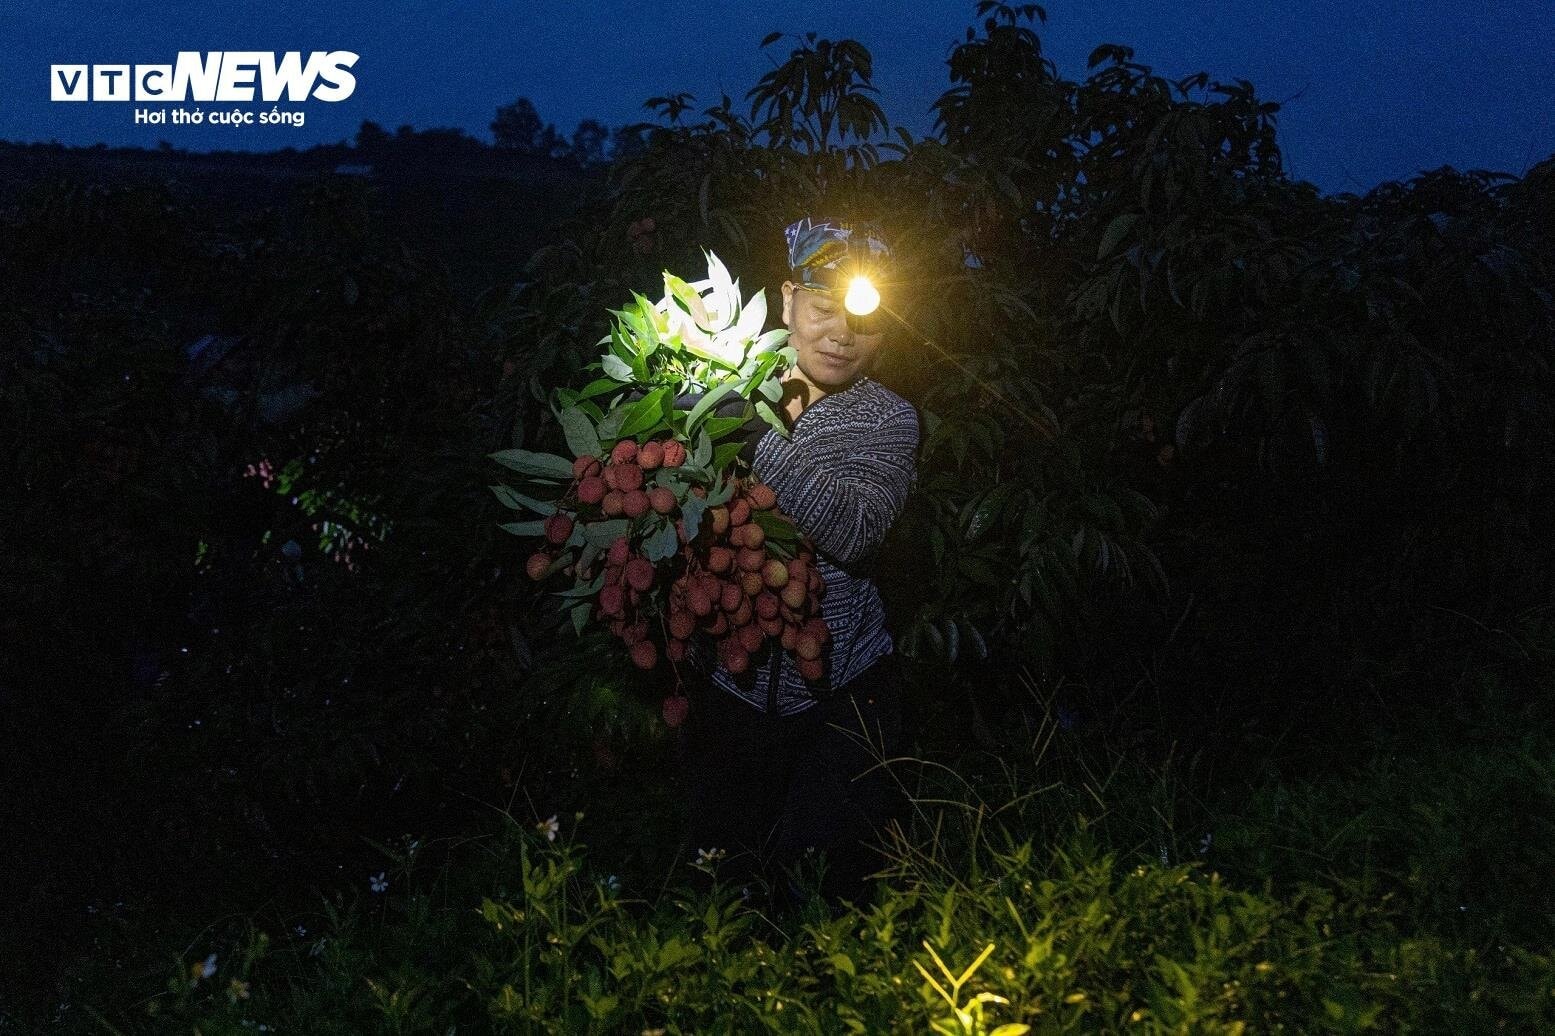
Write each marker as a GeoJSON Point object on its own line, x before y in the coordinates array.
{"type": "Point", "coordinates": [301, 931]}
{"type": "Point", "coordinates": [202, 969]}
{"type": "Point", "coordinates": [549, 828]}
{"type": "Point", "coordinates": [613, 884]}
{"type": "Point", "coordinates": [707, 856]}
{"type": "Point", "coordinates": [378, 882]}
{"type": "Point", "coordinates": [1204, 843]}
{"type": "Point", "coordinates": [317, 948]}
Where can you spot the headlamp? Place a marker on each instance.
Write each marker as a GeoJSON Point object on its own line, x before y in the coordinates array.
{"type": "Point", "coordinates": [863, 298]}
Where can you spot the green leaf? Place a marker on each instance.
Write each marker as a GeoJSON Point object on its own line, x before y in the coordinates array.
{"type": "Point", "coordinates": [610, 427]}
{"type": "Point", "coordinates": [603, 534]}
{"type": "Point", "coordinates": [1116, 231]}
{"type": "Point", "coordinates": [702, 452]}
{"type": "Point", "coordinates": [770, 416]}
{"type": "Point", "coordinates": [534, 528]}
{"type": "Point", "coordinates": [986, 513]}
{"type": "Point", "coordinates": [691, 513]}
{"type": "Point", "coordinates": [662, 544]}
{"type": "Point", "coordinates": [724, 455]}
{"type": "Point", "coordinates": [598, 386]}
{"type": "Point", "coordinates": [774, 526]}
{"type": "Point", "coordinates": [580, 615]}
{"type": "Point", "coordinates": [706, 403]}
{"type": "Point", "coordinates": [645, 413]}
{"type": "Point", "coordinates": [718, 427]}
{"type": "Point", "coordinates": [582, 440]}
{"type": "Point", "coordinates": [588, 589]}
{"type": "Point", "coordinates": [540, 465]}
{"type": "Point", "coordinates": [518, 501]}
{"type": "Point", "coordinates": [722, 494]}
{"type": "Point", "coordinates": [616, 367]}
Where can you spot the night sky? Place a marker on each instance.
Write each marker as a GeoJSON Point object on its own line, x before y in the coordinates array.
{"type": "Point", "coordinates": [1370, 91]}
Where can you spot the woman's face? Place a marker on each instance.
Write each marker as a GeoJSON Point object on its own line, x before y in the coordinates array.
{"type": "Point", "coordinates": [831, 354]}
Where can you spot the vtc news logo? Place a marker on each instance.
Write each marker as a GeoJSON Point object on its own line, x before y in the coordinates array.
{"type": "Point", "coordinates": [213, 77]}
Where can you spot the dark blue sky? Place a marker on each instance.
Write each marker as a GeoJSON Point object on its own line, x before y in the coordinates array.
{"type": "Point", "coordinates": [1372, 90]}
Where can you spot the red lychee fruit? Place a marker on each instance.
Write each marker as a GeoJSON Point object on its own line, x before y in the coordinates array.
{"type": "Point", "coordinates": [789, 637]}
{"type": "Point", "coordinates": [635, 631]}
{"type": "Point", "coordinates": [719, 559]}
{"type": "Point", "coordinates": [794, 595]}
{"type": "Point", "coordinates": [624, 452]}
{"type": "Point", "coordinates": [807, 646]}
{"type": "Point", "coordinates": [774, 573]}
{"type": "Point", "coordinates": [699, 601]}
{"type": "Point", "coordinates": [634, 504]}
{"type": "Point", "coordinates": [720, 624]}
{"type": "Point", "coordinates": [771, 627]}
{"type": "Point", "coordinates": [755, 535]}
{"type": "Point", "coordinates": [739, 512]}
{"type": "Point", "coordinates": [816, 628]}
{"type": "Point", "coordinates": [751, 560]}
{"type": "Point", "coordinates": [719, 516]}
{"type": "Point", "coordinates": [612, 503]}
{"type": "Point", "coordinates": [591, 490]}
{"type": "Point", "coordinates": [612, 599]}
{"type": "Point", "coordinates": [674, 709]}
{"type": "Point", "coordinates": [811, 668]}
{"type": "Point", "coordinates": [661, 499]}
{"type": "Point", "coordinates": [750, 582]}
{"type": "Point", "coordinates": [644, 654]}
{"type": "Point", "coordinates": [751, 638]}
{"type": "Point", "coordinates": [762, 496]}
{"type": "Point", "coordinates": [650, 455]}
{"type": "Point", "coordinates": [733, 656]}
{"type": "Point", "coordinates": [730, 596]}
{"type": "Point", "coordinates": [742, 615]}
{"type": "Point", "coordinates": [675, 650]}
{"type": "Point", "coordinates": [639, 573]}
{"type": "Point", "coordinates": [628, 476]}
{"type": "Point", "coordinates": [767, 604]}
{"type": "Point", "coordinates": [682, 625]}
{"type": "Point", "coordinates": [585, 466]}
{"type": "Point", "coordinates": [558, 527]}
{"type": "Point", "coordinates": [537, 564]}
{"type": "Point", "coordinates": [620, 551]}
{"type": "Point", "coordinates": [674, 454]}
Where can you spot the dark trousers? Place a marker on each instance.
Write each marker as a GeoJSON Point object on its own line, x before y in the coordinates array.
{"type": "Point", "coordinates": [767, 788]}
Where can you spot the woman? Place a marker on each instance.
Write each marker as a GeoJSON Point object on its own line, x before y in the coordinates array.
{"type": "Point", "coordinates": [773, 777]}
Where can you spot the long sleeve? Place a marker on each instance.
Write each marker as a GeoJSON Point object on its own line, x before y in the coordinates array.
{"type": "Point", "coordinates": [845, 506]}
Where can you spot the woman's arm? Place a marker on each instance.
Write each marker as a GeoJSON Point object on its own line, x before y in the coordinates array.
{"type": "Point", "coordinates": [845, 508]}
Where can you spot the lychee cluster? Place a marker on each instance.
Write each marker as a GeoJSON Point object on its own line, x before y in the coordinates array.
{"type": "Point", "coordinates": [745, 578]}
{"type": "Point", "coordinates": [741, 594]}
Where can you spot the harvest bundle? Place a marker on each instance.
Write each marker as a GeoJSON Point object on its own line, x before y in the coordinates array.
{"type": "Point", "coordinates": [656, 523]}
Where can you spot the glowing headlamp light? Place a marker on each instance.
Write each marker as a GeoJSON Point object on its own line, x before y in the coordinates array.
{"type": "Point", "coordinates": [862, 297]}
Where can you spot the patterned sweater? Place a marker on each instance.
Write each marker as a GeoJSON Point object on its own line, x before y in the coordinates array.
{"type": "Point", "coordinates": [843, 475]}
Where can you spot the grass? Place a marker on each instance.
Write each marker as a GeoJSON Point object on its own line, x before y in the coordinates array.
{"type": "Point", "coordinates": [1069, 890]}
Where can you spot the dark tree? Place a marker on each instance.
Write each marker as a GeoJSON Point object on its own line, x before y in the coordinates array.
{"type": "Point", "coordinates": [517, 126]}
{"type": "Point", "coordinates": [628, 141]}
{"type": "Point", "coordinates": [588, 142]}
{"type": "Point", "coordinates": [371, 137]}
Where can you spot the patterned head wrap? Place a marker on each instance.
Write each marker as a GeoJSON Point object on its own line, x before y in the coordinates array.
{"type": "Point", "coordinates": [824, 253]}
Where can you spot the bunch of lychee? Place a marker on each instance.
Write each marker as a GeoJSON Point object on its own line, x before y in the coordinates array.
{"type": "Point", "coordinates": [745, 578]}
{"type": "Point", "coordinates": [736, 588]}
